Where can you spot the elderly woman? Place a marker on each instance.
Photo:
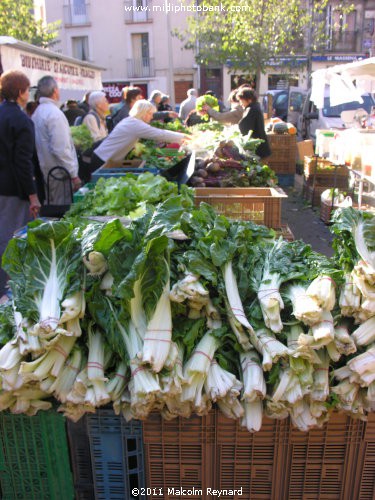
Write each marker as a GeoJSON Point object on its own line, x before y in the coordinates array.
{"type": "Point", "coordinates": [18, 193]}
{"type": "Point", "coordinates": [95, 120]}
{"type": "Point", "coordinates": [124, 136]}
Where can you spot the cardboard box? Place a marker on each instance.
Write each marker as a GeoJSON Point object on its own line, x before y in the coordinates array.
{"type": "Point", "coordinates": [305, 148]}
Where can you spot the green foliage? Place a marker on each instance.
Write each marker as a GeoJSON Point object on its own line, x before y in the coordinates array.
{"type": "Point", "coordinates": [17, 20]}
{"type": "Point", "coordinates": [249, 33]}
{"type": "Point", "coordinates": [122, 196]}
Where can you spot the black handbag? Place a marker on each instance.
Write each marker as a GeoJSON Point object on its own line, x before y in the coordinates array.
{"type": "Point", "coordinates": [62, 175]}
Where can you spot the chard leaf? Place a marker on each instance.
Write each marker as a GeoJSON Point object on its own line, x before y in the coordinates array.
{"type": "Point", "coordinates": [52, 268]}
{"type": "Point", "coordinates": [189, 332]}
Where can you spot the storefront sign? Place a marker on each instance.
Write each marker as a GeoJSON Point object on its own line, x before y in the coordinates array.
{"type": "Point", "coordinates": [67, 74]}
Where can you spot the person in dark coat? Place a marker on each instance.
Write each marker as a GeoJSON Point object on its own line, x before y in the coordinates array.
{"type": "Point", "coordinates": [73, 111]}
{"type": "Point", "coordinates": [18, 193]}
{"type": "Point", "coordinates": [252, 119]}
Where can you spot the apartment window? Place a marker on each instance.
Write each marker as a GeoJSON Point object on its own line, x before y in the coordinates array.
{"type": "Point", "coordinates": [80, 48]}
{"type": "Point", "coordinates": [140, 45]}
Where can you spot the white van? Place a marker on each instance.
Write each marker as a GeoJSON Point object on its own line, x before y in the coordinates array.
{"type": "Point", "coordinates": [329, 117]}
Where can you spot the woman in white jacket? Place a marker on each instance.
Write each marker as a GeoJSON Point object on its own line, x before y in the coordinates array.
{"type": "Point", "coordinates": [128, 131]}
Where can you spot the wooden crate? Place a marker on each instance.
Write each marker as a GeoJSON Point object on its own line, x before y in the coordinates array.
{"type": "Point", "coordinates": [284, 153]}
{"type": "Point", "coordinates": [260, 205]}
{"type": "Point", "coordinates": [326, 173]}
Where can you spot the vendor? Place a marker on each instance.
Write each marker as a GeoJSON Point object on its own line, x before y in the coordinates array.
{"type": "Point", "coordinates": [124, 136]}
{"type": "Point", "coordinates": [252, 119]}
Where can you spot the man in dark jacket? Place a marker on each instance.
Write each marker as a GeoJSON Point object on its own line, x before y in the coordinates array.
{"type": "Point", "coordinates": [18, 194]}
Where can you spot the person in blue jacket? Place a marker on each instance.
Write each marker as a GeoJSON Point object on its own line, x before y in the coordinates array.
{"type": "Point", "coordinates": [18, 192]}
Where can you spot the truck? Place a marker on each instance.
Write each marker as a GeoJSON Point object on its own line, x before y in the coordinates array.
{"type": "Point", "coordinates": [328, 117]}
{"type": "Point", "coordinates": [74, 77]}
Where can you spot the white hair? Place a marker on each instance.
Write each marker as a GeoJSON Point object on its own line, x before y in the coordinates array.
{"type": "Point", "coordinates": [141, 108]}
{"type": "Point", "coordinates": [95, 98]}
{"type": "Point", "coordinates": [191, 92]}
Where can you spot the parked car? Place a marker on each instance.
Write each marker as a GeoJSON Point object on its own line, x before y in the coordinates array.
{"type": "Point", "coordinates": [286, 104]}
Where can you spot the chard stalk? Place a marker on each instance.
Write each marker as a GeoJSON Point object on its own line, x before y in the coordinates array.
{"type": "Point", "coordinates": [63, 384]}
{"type": "Point", "coordinates": [50, 363]}
{"type": "Point", "coordinates": [10, 356]}
{"type": "Point", "coordinates": [365, 333]}
{"type": "Point", "coordinates": [324, 331]}
{"type": "Point", "coordinates": [322, 289]}
{"type": "Point", "coordinates": [305, 307]}
{"type": "Point", "coordinates": [158, 337]}
{"type": "Point", "coordinates": [252, 419]}
{"type": "Point", "coordinates": [236, 314]}
{"type": "Point", "coordinates": [254, 385]}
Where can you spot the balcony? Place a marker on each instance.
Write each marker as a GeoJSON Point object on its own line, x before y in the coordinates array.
{"type": "Point", "coordinates": [140, 68]}
{"type": "Point", "coordinates": [138, 11]}
{"type": "Point", "coordinates": [77, 15]}
{"type": "Point", "coordinates": [342, 41]}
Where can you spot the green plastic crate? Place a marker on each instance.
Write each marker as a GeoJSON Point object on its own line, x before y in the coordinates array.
{"type": "Point", "coordinates": [34, 457]}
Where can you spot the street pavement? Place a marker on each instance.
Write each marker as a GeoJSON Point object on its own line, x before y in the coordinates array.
{"type": "Point", "coordinates": [304, 221]}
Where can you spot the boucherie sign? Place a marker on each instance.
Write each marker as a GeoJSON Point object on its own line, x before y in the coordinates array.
{"type": "Point", "coordinates": [67, 74]}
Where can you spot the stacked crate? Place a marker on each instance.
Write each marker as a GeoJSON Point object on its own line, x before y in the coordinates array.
{"type": "Point", "coordinates": [321, 174]}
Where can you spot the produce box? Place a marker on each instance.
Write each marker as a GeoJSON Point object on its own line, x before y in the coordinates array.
{"type": "Point", "coordinates": [284, 153]}
{"type": "Point", "coordinates": [119, 172]}
{"type": "Point", "coordinates": [327, 174]}
{"type": "Point", "coordinates": [34, 458]}
{"type": "Point", "coordinates": [260, 205]}
{"type": "Point", "coordinates": [116, 449]}
{"type": "Point", "coordinates": [305, 148]}
{"type": "Point", "coordinates": [285, 232]}
{"type": "Point", "coordinates": [124, 164]}
{"type": "Point", "coordinates": [279, 461]}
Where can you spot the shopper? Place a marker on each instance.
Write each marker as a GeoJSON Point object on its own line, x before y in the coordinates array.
{"type": "Point", "coordinates": [54, 142]}
{"type": "Point", "coordinates": [18, 193]}
{"type": "Point", "coordinates": [73, 111]}
{"type": "Point", "coordinates": [188, 104]}
{"type": "Point", "coordinates": [124, 136]}
{"type": "Point", "coordinates": [95, 120]}
{"type": "Point", "coordinates": [130, 95]}
{"type": "Point", "coordinates": [253, 120]}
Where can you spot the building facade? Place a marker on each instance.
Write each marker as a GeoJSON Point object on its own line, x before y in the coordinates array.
{"type": "Point", "coordinates": [131, 39]}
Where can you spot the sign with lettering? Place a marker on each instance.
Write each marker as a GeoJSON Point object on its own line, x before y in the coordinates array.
{"type": "Point", "coordinates": [67, 74]}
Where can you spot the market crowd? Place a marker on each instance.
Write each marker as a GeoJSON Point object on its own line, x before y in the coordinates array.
{"type": "Point", "coordinates": [41, 167]}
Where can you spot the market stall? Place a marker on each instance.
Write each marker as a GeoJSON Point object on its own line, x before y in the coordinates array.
{"type": "Point", "coordinates": [187, 345]}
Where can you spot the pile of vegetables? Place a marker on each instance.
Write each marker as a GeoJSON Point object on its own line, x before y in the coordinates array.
{"type": "Point", "coordinates": [81, 137]}
{"type": "Point", "coordinates": [175, 126]}
{"type": "Point", "coordinates": [154, 155]}
{"type": "Point", "coordinates": [184, 309]}
{"type": "Point", "coordinates": [230, 168]}
{"type": "Point", "coordinates": [129, 195]}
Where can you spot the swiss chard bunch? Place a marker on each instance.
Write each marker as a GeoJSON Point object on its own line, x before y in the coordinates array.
{"type": "Point", "coordinates": [210, 100]}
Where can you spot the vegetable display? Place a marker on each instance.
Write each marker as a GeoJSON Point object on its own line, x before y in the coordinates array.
{"type": "Point", "coordinates": [184, 309]}
{"type": "Point", "coordinates": [129, 195]}
{"type": "Point", "coordinates": [230, 168]}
